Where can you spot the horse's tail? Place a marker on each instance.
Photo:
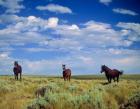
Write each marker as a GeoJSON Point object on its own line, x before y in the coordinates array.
{"type": "Point", "coordinates": [121, 72]}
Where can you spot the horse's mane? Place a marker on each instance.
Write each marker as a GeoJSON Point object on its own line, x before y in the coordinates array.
{"type": "Point", "coordinates": [105, 67]}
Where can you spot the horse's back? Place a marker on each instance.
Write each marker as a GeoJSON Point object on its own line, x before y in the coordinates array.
{"type": "Point", "coordinates": [20, 69]}
{"type": "Point", "coordinates": [17, 69]}
{"type": "Point", "coordinates": [67, 72]}
{"type": "Point", "coordinates": [116, 71]}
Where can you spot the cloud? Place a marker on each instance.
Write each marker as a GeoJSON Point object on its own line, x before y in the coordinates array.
{"type": "Point", "coordinates": [39, 67]}
{"type": "Point", "coordinates": [80, 62]}
{"type": "Point", "coordinates": [97, 26]}
{"type": "Point", "coordinates": [70, 30]}
{"type": "Point", "coordinates": [4, 55]}
{"type": "Point", "coordinates": [38, 24]}
{"type": "Point", "coordinates": [32, 23]}
{"type": "Point", "coordinates": [20, 39]}
{"type": "Point", "coordinates": [115, 51]}
{"type": "Point", "coordinates": [133, 28]}
{"type": "Point", "coordinates": [12, 6]}
{"type": "Point", "coordinates": [82, 47]}
{"type": "Point", "coordinates": [53, 22]}
{"type": "Point", "coordinates": [90, 34]}
{"type": "Point", "coordinates": [128, 60]}
{"type": "Point", "coordinates": [55, 8]}
{"type": "Point", "coordinates": [26, 30]}
{"type": "Point", "coordinates": [5, 63]}
{"type": "Point", "coordinates": [35, 49]}
{"type": "Point", "coordinates": [74, 27]}
{"type": "Point", "coordinates": [43, 66]}
{"type": "Point", "coordinates": [124, 11]}
{"type": "Point", "coordinates": [105, 2]}
{"type": "Point", "coordinates": [65, 44]}
{"type": "Point", "coordinates": [10, 18]}
{"type": "Point", "coordinates": [95, 34]}
{"type": "Point", "coordinates": [121, 51]}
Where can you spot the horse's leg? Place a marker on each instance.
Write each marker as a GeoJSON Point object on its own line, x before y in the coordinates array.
{"type": "Point", "coordinates": [69, 77]}
{"type": "Point", "coordinates": [17, 76]}
{"type": "Point", "coordinates": [110, 80]}
{"type": "Point", "coordinates": [117, 78]}
{"type": "Point", "coordinates": [64, 78]}
{"type": "Point", "coordinates": [20, 76]}
{"type": "Point", "coordinates": [114, 79]}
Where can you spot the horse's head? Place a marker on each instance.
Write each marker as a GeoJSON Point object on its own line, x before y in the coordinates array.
{"type": "Point", "coordinates": [121, 72]}
{"type": "Point", "coordinates": [63, 66]}
{"type": "Point", "coordinates": [16, 63]}
{"type": "Point", "coordinates": [102, 68]}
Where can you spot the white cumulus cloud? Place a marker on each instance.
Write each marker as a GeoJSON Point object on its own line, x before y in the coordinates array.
{"type": "Point", "coordinates": [83, 47]}
{"type": "Point", "coordinates": [134, 30]}
{"type": "Point", "coordinates": [12, 6]}
{"type": "Point", "coordinates": [53, 22]}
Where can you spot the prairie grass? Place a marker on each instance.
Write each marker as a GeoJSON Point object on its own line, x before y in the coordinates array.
{"type": "Point", "coordinates": [76, 94]}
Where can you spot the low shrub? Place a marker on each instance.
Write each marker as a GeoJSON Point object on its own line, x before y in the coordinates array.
{"type": "Point", "coordinates": [133, 102]}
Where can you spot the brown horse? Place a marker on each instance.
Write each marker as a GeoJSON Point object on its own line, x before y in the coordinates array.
{"type": "Point", "coordinates": [111, 74]}
{"type": "Point", "coordinates": [17, 70]}
{"type": "Point", "coordinates": [66, 73]}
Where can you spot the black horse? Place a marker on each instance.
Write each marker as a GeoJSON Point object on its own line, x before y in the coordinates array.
{"type": "Point", "coordinates": [111, 74]}
{"type": "Point", "coordinates": [17, 70]}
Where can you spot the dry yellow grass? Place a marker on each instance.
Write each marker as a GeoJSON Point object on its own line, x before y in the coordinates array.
{"type": "Point", "coordinates": [83, 94]}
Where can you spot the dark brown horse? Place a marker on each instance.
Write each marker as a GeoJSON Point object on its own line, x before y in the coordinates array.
{"type": "Point", "coordinates": [17, 70]}
{"type": "Point", "coordinates": [111, 74]}
{"type": "Point", "coordinates": [66, 73]}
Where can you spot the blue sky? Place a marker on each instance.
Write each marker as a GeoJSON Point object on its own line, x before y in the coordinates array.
{"type": "Point", "coordinates": [83, 34]}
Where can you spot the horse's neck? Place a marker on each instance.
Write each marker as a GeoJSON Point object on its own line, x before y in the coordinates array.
{"type": "Point", "coordinates": [107, 70]}
{"type": "Point", "coordinates": [17, 66]}
{"type": "Point", "coordinates": [65, 69]}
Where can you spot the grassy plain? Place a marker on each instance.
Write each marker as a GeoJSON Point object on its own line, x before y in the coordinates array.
{"type": "Point", "coordinates": [82, 92]}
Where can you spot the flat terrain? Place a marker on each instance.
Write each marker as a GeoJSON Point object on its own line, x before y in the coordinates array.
{"type": "Point", "coordinates": [102, 77]}
{"type": "Point", "coordinates": [82, 92]}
